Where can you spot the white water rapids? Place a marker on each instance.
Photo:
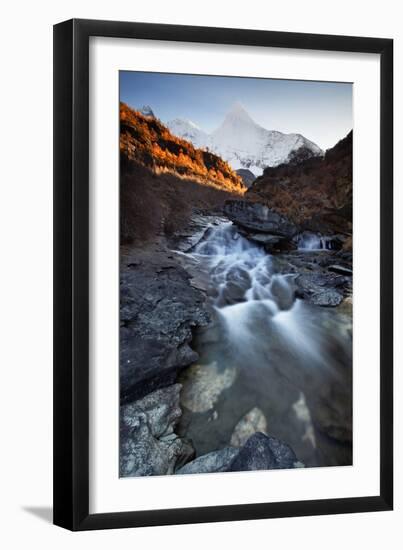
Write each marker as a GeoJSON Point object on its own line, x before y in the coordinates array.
{"type": "Point", "coordinates": [293, 360]}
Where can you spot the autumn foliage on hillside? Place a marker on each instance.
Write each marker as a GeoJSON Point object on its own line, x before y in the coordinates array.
{"type": "Point", "coordinates": [316, 192]}
{"type": "Point", "coordinates": [163, 179]}
{"type": "Point", "coordinates": [145, 141]}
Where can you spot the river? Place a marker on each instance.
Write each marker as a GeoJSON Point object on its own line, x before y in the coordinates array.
{"type": "Point", "coordinates": [265, 348]}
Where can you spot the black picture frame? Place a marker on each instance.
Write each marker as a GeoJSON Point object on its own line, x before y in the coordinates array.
{"type": "Point", "coordinates": [71, 274]}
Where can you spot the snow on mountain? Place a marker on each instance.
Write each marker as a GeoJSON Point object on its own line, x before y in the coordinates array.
{"type": "Point", "coordinates": [190, 131]}
{"type": "Point", "coordinates": [244, 143]}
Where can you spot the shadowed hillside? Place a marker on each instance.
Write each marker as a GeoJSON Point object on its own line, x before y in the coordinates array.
{"type": "Point", "coordinates": [315, 192]}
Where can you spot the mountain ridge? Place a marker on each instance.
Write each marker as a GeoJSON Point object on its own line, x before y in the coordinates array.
{"type": "Point", "coordinates": [147, 141]}
{"type": "Point", "coordinates": [243, 143]}
{"type": "Point", "coordinates": [314, 192]}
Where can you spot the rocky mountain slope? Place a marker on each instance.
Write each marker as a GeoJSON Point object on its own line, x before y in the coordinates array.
{"type": "Point", "coordinates": [247, 176]}
{"type": "Point", "coordinates": [243, 143]}
{"type": "Point", "coordinates": [315, 193]}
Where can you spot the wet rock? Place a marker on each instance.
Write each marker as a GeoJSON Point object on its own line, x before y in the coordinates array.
{"type": "Point", "coordinates": [271, 243]}
{"type": "Point", "coordinates": [326, 298]}
{"type": "Point", "coordinates": [340, 269]}
{"type": "Point", "coordinates": [158, 310]}
{"type": "Point", "coordinates": [148, 443]}
{"type": "Point", "coordinates": [258, 218]}
{"type": "Point", "coordinates": [232, 293]}
{"type": "Point", "coordinates": [264, 238]}
{"type": "Point", "coordinates": [283, 290]}
{"type": "Point", "coordinates": [322, 289]}
{"type": "Point", "coordinates": [196, 230]}
{"type": "Point", "coordinates": [254, 421]}
{"type": "Point", "coordinates": [237, 283]}
{"type": "Point", "coordinates": [203, 385]}
{"type": "Point", "coordinates": [262, 452]}
{"type": "Point", "coordinates": [216, 461]}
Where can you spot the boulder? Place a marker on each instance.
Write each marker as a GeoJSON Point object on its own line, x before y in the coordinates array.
{"type": "Point", "coordinates": [216, 461]}
{"type": "Point", "coordinates": [254, 421]}
{"type": "Point", "coordinates": [327, 298]}
{"type": "Point", "coordinates": [148, 443]}
{"type": "Point", "coordinates": [322, 288]}
{"type": "Point", "coordinates": [262, 452]}
{"type": "Point", "coordinates": [258, 218]}
{"type": "Point", "coordinates": [283, 290]}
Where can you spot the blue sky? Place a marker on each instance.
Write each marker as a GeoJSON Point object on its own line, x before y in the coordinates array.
{"type": "Point", "coordinates": [321, 111]}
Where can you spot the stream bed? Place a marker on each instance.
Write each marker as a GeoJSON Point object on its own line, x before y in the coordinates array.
{"type": "Point", "coordinates": [284, 362]}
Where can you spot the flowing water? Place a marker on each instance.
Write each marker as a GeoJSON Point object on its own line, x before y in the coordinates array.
{"type": "Point", "coordinates": [315, 241]}
{"type": "Point", "coordinates": [264, 348]}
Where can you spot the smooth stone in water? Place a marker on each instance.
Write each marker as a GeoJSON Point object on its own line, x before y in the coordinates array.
{"type": "Point", "coordinates": [283, 290]}
{"type": "Point", "coordinates": [254, 421]}
{"type": "Point", "coordinates": [203, 385]}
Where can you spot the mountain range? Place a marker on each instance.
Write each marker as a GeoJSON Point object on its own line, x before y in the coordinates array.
{"type": "Point", "coordinates": [243, 143]}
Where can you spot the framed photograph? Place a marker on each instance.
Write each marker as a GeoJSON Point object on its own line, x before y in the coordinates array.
{"type": "Point", "coordinates": [223, 318]}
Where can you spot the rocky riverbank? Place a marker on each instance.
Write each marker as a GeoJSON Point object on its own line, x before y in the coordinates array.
{"type": "Point", "coordinates": [211, 421]}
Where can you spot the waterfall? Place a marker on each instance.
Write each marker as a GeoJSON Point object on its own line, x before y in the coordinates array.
{"type": "Point", "coordinates": [315, 241]}
{"type": "Point", "coordinates": [281, 346]}
{"type": "Point", "coordinates": [242, 271]}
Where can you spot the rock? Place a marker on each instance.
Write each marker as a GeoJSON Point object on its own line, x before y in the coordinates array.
{"type": "Point", "coordinates": [238, 281]}
{"type": "Point", "coordinates": [264, 238]}
{"type": "Point", "coordinates": [271, 243]}
{"type": "Point", "coordinates": [248, 177]}
{"type": "Point", "coordinates": [196, 230]}
{"type": "Point", "coordinates": [340, 269]}
{"type": "Point", "coordinates": [261, 452]}
{"type": "Point", "coordinates": [254, 421]}
{"type": "Point", "coordinates": [203, 385]}
{"type": "Point", "coordinates": [258, 218]}
{"type": "Point", "coordinates": [148, 443]}
{"type": "Point", "coordinates": [283, 291]}
{"type": "Point", "coordinates": [319, 288]}
{"type": "Point", "coordinates": [158, 310]}
{"type": "Point", "coordinates": [216, 461]}
{"type": "Point", "coordinates": [327, 297]}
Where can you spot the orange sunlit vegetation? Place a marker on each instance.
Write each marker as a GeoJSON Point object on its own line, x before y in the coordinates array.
{"type": "Point", "coordinates": [146, 141]}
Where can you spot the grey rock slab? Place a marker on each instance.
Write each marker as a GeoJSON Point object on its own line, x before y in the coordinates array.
{"type": "Point", "coordinates": [158, 311]}
{"type": "Point", "coordinates": [148, 443]}
{"type": "Point", "coordinates": [256, 217]}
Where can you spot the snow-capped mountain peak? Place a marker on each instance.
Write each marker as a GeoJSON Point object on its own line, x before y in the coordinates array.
{"type": "Point", "coordinates": [188, 130]}
{"type": "Point", "coordinates": [237, 114]}
{"type": "Point", "coordinates": [242, 142]}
